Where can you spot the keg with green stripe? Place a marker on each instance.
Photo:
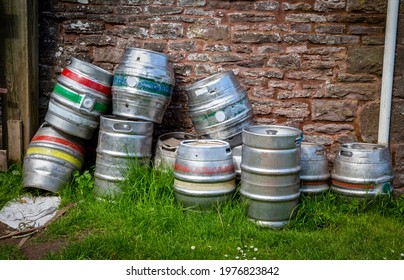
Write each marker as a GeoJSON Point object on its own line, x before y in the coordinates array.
{"type": "Point", "coordinates": [142, 85]}
{"type": "Point", "coordinates": [81, 95]}
{"type": "Point", "coordinates": [51, 158]}
{"type": "Point", "coordinates": [219, 108]}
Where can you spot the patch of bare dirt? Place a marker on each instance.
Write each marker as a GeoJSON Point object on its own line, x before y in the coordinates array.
{"type": "Point", "coordinates": [34, 248]}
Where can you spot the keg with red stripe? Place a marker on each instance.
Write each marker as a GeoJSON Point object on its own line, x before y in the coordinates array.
{"type": "Point", "coordinates": [362, 170]}
{"type": "Point", "coordinates": [51, 158]}
{"type": "Point", "coordinates": [204, 173]}
{"type": "Point", "coordinates": [81, 95]}
{"type": "Point", "coordinates": [314, 173]}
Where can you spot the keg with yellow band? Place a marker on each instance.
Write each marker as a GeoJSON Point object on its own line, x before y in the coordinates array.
{"type": "Point", "coordinates": [56, 154]}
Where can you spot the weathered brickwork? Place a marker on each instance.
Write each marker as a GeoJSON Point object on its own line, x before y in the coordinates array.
{"type": "Point", "coordinates": [313, 64]}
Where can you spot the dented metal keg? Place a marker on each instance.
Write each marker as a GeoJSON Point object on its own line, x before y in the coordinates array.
{"type": "Point", "coordinates": [270, 167]}
{"type": "Point", "coordinates": [81, 95]}
{"type": "Point", "coordinates": [166, 148]}
{"type": "Point", "coordinates": [204, 173]}
{"type": "Point", "coordinates": [314, 173]}
{"type": "Point", "coordinates": [142, 85]}
{"type": "Point", "coordinates": [122, 144]}
{"type": "Point", "coordinates": [219, 108]}
{"type": "Point", "coordinates": [51, 158]}
{"type": "Point", "coordinates": [362, 170]}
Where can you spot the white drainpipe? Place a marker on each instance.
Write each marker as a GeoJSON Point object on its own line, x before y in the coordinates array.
{"type": "Point", "coordinates": [388, 72]}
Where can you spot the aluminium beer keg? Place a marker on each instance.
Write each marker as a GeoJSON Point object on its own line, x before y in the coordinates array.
{"type": "Point", "coordinates": [270, 166]}
{"type": "Point", "coordinates": [219, 108]}
{"type": "Point", "coordinates": [362, 170]}
{"type": "Point", "coordinates": [314, 173]}
{"type": "Point", "coordinates": [81, 95]}
{"type": "Point", "coordinates": [204, 173]}
{"type": "Point", "coordinates": [166, 148]}
{"type": "Point", "coordinates": [51, 158]}
{"type": "Point", "coordinates": [122, 143]}
{"type": "Point", "coordinates": [142, 85]}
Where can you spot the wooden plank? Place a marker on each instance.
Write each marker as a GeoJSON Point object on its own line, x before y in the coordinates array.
{"type": "Point", "coordinates": [15, 143]}
{"type": "Point", "coordinates": [20, 53]}
{"type": "Point", "coordinates": [3, 160]}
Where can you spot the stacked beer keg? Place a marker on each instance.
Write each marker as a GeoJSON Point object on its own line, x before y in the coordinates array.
{"type": "Point", "coordinates": [271, 163]}
{"type": "Point", "coordinates": [81, 95]}
{"type": "Point", "coordinates": [204, 170]}
{"type": "Point", "coordinates": [141, 92]}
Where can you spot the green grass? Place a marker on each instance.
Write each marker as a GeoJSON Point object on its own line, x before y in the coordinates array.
{"type": "Point", "coordinates": [146, 222]}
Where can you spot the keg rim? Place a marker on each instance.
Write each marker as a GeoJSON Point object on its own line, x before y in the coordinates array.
{"type": "Point", "coordinates": [187, 142]}
{"type": "Point", "coordinates": [149, 51]}
{"type": "Point", "coordinates": [216, 76]}
{"type": "Point", "coordinates": [124, 119]}
{"type": "Point", "coordinates": [365, 147]}
{"type": "Point", "coordinates": [89, 64]}
{"type": "Point", "coordinates": [251, 130]}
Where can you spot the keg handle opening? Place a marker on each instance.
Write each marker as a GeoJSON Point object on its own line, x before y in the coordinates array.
{"type": "Point", "coordinates": [271, 131]}
{"type": "Point", "coordinates": [168, 148]}
{"type": "Point", "coordinates": [320, 152]}
{"type": "Point", "coordinates": [346, 153]}
{"type": "Point", "coordinates": [228, 150]}
{"type": "Point", "coordinates": [122, 127]}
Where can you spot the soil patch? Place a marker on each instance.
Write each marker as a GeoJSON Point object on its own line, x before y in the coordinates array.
{"type": "Point", "coordinates": [35, 248]}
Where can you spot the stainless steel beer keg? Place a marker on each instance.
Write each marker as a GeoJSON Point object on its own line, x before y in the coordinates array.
{"type": "Point", "coordinates": [51, 158]}
{"type": "Point", "coordinates": [270, 167]}
{"type": "Point", "coordinates": [204, 173]}
{"type": "Point", "coordinates": [81, 95]}
{"type": "Point", "coordinates": [166, 148]}
{"type": "Point", "coordinates": [362, 170]}
{"type": "Point", "coordinates": [121, 144]}
{"type": "Point", "coordinates": [142, 85]}
{"type": "Point", "coordinates": [219, 108]}
{"type": "Point", "coordinates": [314, 173]}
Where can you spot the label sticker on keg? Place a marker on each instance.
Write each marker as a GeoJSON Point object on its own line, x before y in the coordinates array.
{"type": "Point", "coordinates": [220, 116]}
{"type": "Point", "coordinates": [144, 84]}
{"type": "Point", "coordinates": [230, 112]}
{"type": "Point", "coordinates": [132, 81]}
{"type": "Point", "coordinates": [78, 100]}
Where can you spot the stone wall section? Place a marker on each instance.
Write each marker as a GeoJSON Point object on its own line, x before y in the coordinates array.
{"type": "Point", "coordinates": [313, 64]}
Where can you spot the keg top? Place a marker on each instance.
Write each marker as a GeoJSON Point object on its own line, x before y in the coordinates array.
{"type": "Point", "coordinates": [363, 153]}
{"type": "Point", "coordinates": [213, 84]}
{"type": "Point", "coordinates": [272, 130]}
{"type": "Point", "coordinates": [204, 150]}
{"type": "Point", "coordinates": [272, 136]}
{"type": "Point", "coordinates": [91, 70]}
{"type": "Point", "coordinates": [363, 146]}
{"type": "Point", "coordinates": [154, 59]}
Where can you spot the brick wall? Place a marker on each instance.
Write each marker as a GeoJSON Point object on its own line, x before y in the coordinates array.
{"type": "Point", "coordinates": [313, 64]}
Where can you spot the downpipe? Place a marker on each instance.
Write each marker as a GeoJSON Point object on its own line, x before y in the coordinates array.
{"type": "Point", "coordinates": [388, 72]}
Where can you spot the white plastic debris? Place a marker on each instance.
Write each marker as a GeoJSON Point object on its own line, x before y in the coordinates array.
{"type": "Point", "coordinates": [29, 212]}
